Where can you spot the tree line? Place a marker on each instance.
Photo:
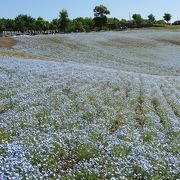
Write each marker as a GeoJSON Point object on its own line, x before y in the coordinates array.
{"type": "Point", "coordinates": [24, 23]}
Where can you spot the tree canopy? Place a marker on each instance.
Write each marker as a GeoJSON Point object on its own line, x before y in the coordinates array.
{"type": "Point", "coordinates": [151, 18]}
{"type": "Point", "coordinates": [64, 19]}
{"type": "Point", "coordinates": [137, 19]}
{"type": "Point", "coordinates": [41, 24]}
{"type": "Point", "coordinates": [101, 11]}
{"type": "Point", "coordinates": [100, 18]}
{"type": "Point", "coordinates": [25, 23]}
{"type": "Point", "coordinates": [54, 24]}
{"type": "Point", "coordinates": [167, 17]}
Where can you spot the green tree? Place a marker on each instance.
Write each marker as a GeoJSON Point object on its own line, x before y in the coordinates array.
{"type": "Point", "coordinates": [100, 17]}
{"type": "Point", "coordinates": [137, 19]}
{"type": "Point", "coordinates": [88, 24]}
{"type": "Point", "coordinates": [78, 25]}
{"type": "Point", "coordinates": [2, 27]}
{"type": "Point", "coordinates": [151, 18]}
{"type": "Point", "coordinates": [160, 22]}
{"type": "Point", "coordinates": [24, 23]}
{"type": "Point", "coordinates": [83, 24]}
{"type": "Point", "coordinates": [54, 24]}
{"type": "Point", "coordinates": [124, 23]}
{"type": "Point", "coordinates": [64, 20]}
{"type": "Point", "coordinates": [41, 24]}
{"type": "Point", "coordinates": [7, 24]}
{"type": "Point", "coordinates": [113, 23]}
{"type": "Point", "coordinates": [167, 17]}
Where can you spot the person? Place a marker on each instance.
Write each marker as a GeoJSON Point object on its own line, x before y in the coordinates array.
{"type": "Point", "coordinates": [5, 34]}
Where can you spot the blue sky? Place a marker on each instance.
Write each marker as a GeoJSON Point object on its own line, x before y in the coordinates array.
{"type": "Point", "coordinates": [49, 9]}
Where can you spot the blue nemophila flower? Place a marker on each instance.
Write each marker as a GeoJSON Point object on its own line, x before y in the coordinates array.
{"type": "Point", "coordinates": [75, 120]}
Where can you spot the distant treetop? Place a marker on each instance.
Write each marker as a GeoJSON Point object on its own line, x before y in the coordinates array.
{"type": "Point", "coordinates": [101, 11]}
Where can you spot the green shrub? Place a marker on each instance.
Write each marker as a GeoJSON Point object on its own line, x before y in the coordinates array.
{"type": "Point", "coordinates": [4, 136]}
{"type": "Point", "coordinates": [148, 137]}
{"type": "Point", "coordinates": [121, 151]}
{"type": "Point", "coordinates": [86, 152]}
{"type": "Point", "coordinates": [88, 116]}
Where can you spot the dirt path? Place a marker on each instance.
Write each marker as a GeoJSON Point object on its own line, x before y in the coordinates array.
{"type": "Point", "coordinates": [7, 42]}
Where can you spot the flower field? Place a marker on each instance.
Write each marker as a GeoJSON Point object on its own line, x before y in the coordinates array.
{"type": "Point", "coordinates": [81, 119]}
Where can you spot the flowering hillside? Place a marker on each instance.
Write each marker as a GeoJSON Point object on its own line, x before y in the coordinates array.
{"type": "Point", "coordinates": [89, 120]}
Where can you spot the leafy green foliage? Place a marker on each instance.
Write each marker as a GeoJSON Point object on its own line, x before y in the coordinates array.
{"type": "Point", "coordinates": [101, 11]}
{"type": "Point", "coordinates": [86, 152]}
{"type": "Point", "coordinates": [78, 25]}
{"type": "Point", "coordinates": [64, 20]}
{"type": "Point", "coordinates": [54, 24]}
{"type": "Point", "coordinates": [24, 22]}
{"type": "Point", "coordinates": [4, 136]}
{"type": "Point", "coordinates": [151, 18]}
{"type": "Point", "coordinates": [160, 22]}
{"type": "Point", "coordinates": [121, 151]}
{"type": "Point", "coordinates": [113, 23]}
{"type": "Point", "coordinates": [137, 19]}
{"type": "Point", "coordinates": [100, 18]}
{"type": "Point", "coordinates": [41, 24]}
{"type": "Point", "coordinates": [167, 17]}
{"type": "Point", "coordinates": [8, 106]}
{"type": "Point", "coordinates": [148, 137]}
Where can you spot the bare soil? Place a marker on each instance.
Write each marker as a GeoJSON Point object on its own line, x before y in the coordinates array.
{"type": "Point", "coordinates": [7, 42]}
